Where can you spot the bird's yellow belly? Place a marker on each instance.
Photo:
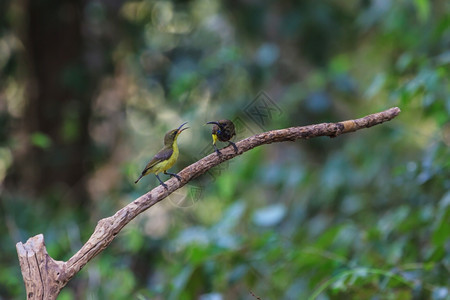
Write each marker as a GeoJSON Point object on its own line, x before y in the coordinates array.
{"type": "Point", "coordinates": [166, 164]}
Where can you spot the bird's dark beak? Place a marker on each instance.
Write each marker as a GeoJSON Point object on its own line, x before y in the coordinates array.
{"type": "Point", "coordinates": [213, 123]}
{"type": "Point", "coordinates": [181, 130]}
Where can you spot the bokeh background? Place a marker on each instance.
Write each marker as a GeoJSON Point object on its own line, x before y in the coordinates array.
{"type": "Point", "coordinates": [88, 89]}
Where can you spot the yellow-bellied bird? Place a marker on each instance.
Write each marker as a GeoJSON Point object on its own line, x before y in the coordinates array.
{"type": "Point", "coordinates": [165, 158]}
{"type": "Point", "coordinates": [223, 130]}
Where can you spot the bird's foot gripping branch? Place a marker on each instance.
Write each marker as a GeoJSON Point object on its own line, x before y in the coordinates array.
{"type": "Point", "coordinates": [45, 277]}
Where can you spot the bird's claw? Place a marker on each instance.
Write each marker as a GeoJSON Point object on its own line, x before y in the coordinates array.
{"type": "Point", "coordinates": [173, 175]}
{"type": "Point", "coordinates": [217, 150]}
{"type": "Point", "coordinates": [234, 146]}
{"type": "Point", "coordinates": [176, 176]}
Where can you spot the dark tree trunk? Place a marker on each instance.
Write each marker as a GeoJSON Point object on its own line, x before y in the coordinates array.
{"type": "Point", "coordinates": [59, 103]}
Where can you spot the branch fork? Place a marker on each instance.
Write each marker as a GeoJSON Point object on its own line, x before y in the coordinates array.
{"type": "Point", "coordinates": [44, 277]}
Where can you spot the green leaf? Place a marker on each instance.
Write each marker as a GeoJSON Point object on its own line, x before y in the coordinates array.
{"type": "Point", "coordinates": [423, 9]}
{"type": "Point", "coordinates": [41, 140]}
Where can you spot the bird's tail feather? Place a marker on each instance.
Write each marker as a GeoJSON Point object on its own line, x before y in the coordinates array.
{"type": "Point", "coordinates": [137, 180]}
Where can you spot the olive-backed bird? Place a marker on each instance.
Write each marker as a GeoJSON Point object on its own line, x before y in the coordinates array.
{"type": "Point", "coordinates": [223, 130]}
{"type": "Point", "coordinates": [165, 158]}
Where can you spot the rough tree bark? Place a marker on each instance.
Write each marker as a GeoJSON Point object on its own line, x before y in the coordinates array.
{"type": "Point", "coordinates": [45, 277]}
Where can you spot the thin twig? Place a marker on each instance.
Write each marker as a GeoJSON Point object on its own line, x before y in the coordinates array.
{"type": "Point", "coordinates": [254, 296]}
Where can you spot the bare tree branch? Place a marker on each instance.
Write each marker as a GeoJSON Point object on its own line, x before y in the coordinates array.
{"type": "Point", "coordinates": [44, 277]}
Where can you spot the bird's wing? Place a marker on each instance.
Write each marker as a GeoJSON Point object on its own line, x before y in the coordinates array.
{"type": "Point", "coordinates": [232, 129]}
{"type": "Point", "coordinates": [162, 155]}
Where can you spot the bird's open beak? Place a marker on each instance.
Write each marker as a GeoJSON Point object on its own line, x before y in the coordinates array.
{"type": "Point", "coordinates": [213, 123]}
{"type": "Point", "coordinates": [181, 130]}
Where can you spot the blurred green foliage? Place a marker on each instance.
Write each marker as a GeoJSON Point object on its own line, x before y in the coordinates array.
{"type": "Point", "coordinates": [363, 216]}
